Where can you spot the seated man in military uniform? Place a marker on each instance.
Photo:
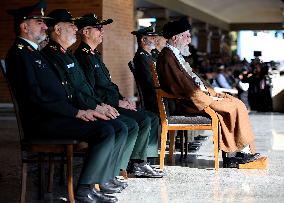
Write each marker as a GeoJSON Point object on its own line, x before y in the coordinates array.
{"type": "Point", "coordinates": [146, 145]}
{"type": "Point", "coordinates": [47, 109]}
{"type": "Point", "coordinates": [143, 60]}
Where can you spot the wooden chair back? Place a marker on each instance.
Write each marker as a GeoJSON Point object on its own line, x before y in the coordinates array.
{"type": "Point", "coordinates": [139, 89]}
{"type": "Point", "coordinates": [172, 123]}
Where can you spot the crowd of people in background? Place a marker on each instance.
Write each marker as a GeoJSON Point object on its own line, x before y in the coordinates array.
{"type": "Point", "coordinates": [250, 80]}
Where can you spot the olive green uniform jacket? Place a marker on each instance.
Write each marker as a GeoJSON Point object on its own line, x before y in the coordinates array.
{"type": "Point", "coordinates": [99, 77]}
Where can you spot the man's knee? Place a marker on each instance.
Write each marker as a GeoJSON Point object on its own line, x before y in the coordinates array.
{"type": "Point", "coordinates": [118, 126]}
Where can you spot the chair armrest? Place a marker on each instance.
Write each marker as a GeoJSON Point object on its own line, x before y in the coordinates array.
{"type": "Point", "coordinates": [212, 114]}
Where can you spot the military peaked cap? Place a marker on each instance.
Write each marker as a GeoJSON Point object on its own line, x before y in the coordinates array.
{"type": "Point", "coordinates": [35, 11]}
{"type": "Point", "coordinates": [147, 31]}
{"type": "Point", "coordinates": [91, 20]}
{"type": "Point", "coordinates": [59, 15]}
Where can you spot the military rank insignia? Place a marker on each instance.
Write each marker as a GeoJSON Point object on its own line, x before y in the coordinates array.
{"type": "Point", "coordinates": [20, 46]}
{"type": "Point", "coordinates": [53, 47]}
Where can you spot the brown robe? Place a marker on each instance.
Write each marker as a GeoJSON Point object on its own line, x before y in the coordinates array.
{"type": "Point", "coordinates": [235, 132]}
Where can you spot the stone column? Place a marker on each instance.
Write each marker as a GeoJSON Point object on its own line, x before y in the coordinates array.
{"type": "Point", "coordinates": [202, 36]}
{"type": "Point", "coordinates": [215, 41]}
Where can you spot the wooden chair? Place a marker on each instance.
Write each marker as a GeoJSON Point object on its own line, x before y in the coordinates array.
{"type": "Point", "coordinates": [140, 95]}
{"type": "Point", "coordinates": [205, 121]}
{"type": "Point", "coordinates": [42, 147]}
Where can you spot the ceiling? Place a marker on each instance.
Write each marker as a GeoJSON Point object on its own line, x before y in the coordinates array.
{"type": "Point", "coordinates": [227, 14]}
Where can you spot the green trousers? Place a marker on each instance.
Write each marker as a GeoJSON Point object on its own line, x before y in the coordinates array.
{"type": "Point", "coordinates": [146, 144]}
{"type": "Point", "coordinates": [106, 149]}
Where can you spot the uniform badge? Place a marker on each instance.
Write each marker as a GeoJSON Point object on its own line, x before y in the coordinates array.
{"type": "Point", "coordinates": [20, 46]}
{"type": "Point", "coordinates": [85, 50]}
{"type": "Point", "coordinates": [53, 47]}
{"type": "Point", "coordinates": [71, 65]}
{"type": "Point", "coordinates": [40, 64]}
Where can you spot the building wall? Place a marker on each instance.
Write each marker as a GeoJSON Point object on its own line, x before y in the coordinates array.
{"type": "Point", "coordinates": [118, 46]}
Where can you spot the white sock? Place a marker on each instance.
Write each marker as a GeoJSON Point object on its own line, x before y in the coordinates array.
{"type": "Point", "coordinates": [246, 150]}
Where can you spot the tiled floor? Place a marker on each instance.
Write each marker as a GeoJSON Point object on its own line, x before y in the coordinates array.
{"type": "Point", "coordinates": [193, 180]}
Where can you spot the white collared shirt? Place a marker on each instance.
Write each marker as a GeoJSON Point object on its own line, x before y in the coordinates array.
{"type": "Point", "coordinates": [34, 45]}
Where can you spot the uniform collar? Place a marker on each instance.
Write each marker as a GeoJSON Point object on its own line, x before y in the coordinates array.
{"type": "Point", "coordinates": [87, 49]}
{"type": "Point", "coordinates": [34, 45]}
{"type": "Point", "coordinates": [56, 46]}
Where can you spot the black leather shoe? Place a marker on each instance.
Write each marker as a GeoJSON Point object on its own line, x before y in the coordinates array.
{"type": "Point", "coordinates": [231, 162]}
{"type": "Point", "coordinates": [201, 138]}
{"type": "Point", "coordinates": [86, 194]}
{"type": "Point", "coordinates": [121, 184]}
{"type": "Point", "coordinates": [144, 170]}
{"type": "Point", "coordinates": [110, 188]}
{"type": "Point", "coordinates": [103, 197]}
{"type": "Point", "coordinates": [246, 158]}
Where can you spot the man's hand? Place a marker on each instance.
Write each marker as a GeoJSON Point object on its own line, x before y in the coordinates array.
{"type": "Point", "coordinates": [126, 104]}
{"type": "Point", "coordinates": [95, 114]}
{"type": "Point", "coordinates": [107, 110]}
{"type": "Point", "coordinates": [90, 115]}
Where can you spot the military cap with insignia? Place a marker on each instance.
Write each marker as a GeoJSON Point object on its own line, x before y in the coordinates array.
{"type": "Point", "coordinates": [35, 11]}
{"type": "Point", "coordinates": [59, 15]}
{"type": "Point", "coordinates": [91, 20]}
{"type": "Point", "coordinates": [147, 31]}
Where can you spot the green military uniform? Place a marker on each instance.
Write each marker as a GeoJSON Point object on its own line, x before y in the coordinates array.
{"type": "Point", "coordinates": [99, 77]}
{"type": "Point", "coordinates": [84, 95]}
{"type": "Point", "coordinates": [155, 54]}
{"type": "Point", "coordinates": [143, 62]}
{"type": "Point", "coordinates": [46, 109]}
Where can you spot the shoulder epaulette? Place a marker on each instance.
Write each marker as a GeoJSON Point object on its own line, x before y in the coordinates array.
{"type": "Point", "coordinates": [21, 46]}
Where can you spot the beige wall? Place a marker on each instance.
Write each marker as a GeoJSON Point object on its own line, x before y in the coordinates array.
{"type": "Point", "coordinates": [118, 44]}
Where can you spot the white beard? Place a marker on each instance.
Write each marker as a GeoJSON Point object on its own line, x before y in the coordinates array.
{"type": "Point", "coordinates": [184, 50]}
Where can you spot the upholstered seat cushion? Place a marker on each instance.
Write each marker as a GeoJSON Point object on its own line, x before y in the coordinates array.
{"type": "Point", "coordinates": [190, 120]}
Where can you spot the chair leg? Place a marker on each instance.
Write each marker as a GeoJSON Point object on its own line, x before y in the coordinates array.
{"type": "Point", "coordinates": [41, 174]}
{"type": "Point", "coordinates": [51, 174]}
{"type": "Point", "coordinates": [163, 146]}
{"type": "Point", "coordinates": [62, 171]}
{"type": "Point", "coordinates": [216, 146]}
{"type": "Point", "coordinates": [180, 134]}
{"type": "Point", "coordinates": [70, 173]}
{"type": "Point", "coordinates": [172, 146]}
{"type": "Point", "coordinates": [24, 183]}
{"type": "Point", "coordinates": [185, 133]}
